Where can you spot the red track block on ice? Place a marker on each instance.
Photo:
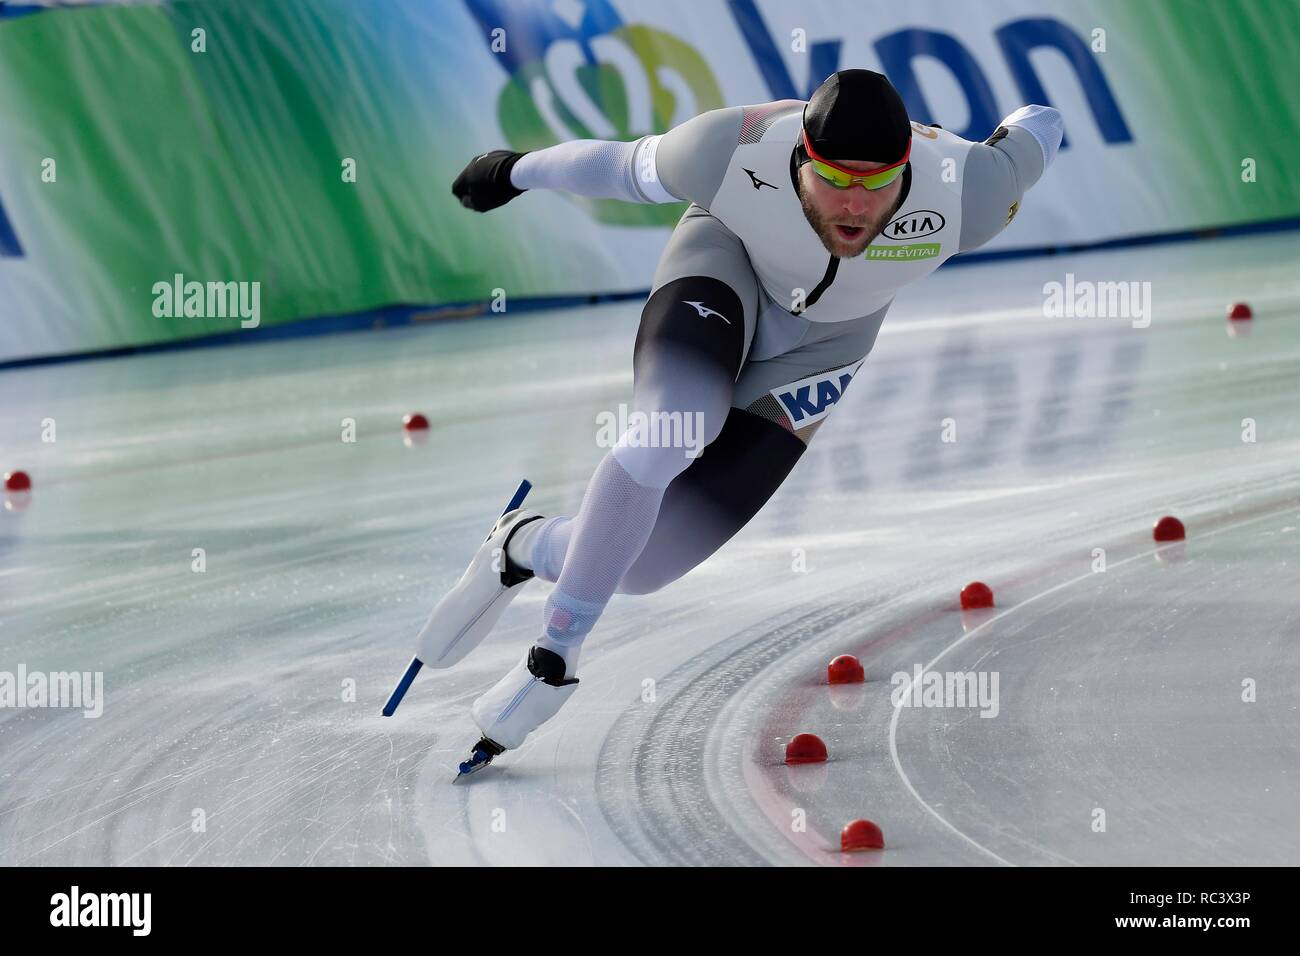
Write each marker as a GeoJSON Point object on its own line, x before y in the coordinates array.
{"type": "Point", "coordinates": [1239, 311]}
{"type": "Point", "coordinates": [1169, 528]}
{"type": "Point", "coordinates": [976, 594]}
{"type": "Point", "coordinates": [17, 481]}
{"type": "Point", "coordinates": [845, 669]}
{"type": "Point", "coordinates": [415, 422]}
{"type": "Point", "coordinates": [805, 748]}
{"type": "Point", "coordinates": [861, 835]}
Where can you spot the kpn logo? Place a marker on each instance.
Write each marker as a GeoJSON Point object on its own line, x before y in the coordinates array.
{"type": "Point", "coordinates": [577, 71]}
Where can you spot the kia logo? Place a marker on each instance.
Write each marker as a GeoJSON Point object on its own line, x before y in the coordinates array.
{"type": "Point", "coordinates": [914, 225]}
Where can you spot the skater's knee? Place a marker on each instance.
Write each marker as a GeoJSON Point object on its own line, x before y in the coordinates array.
{"type": "Point", "coordinates": [700, 318]}
{"type": "Point", "coordinates": [652, 465]}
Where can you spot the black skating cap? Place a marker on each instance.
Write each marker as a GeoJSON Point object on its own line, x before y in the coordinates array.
{"type": "Point", "coordinates": [857, 115]}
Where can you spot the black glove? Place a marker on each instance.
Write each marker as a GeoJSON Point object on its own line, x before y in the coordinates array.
{"type": "Point", "coordinates": [485, 182]}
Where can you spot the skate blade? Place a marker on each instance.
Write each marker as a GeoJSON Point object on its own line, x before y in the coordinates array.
{"type": "Point", "coordinates": [479, 760]}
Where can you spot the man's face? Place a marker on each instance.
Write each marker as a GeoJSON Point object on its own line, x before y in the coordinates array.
{"type": "Point", "coordinates": [847, 220]}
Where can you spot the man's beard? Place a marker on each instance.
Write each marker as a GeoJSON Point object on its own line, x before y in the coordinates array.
{"type": "Point", "coordinates": [826, 230]}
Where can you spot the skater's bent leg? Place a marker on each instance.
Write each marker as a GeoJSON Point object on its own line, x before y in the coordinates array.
{"type": "Point", "coordinates": [702, 509]}
{"type": "Point", "coordinates": [714, 498]}
{"type": "Point", "coordinates": [684, 368]}
{"type": "Point", "coordinates": [701, 314]}
{"type": "Point", "coordinates": [758, 447]}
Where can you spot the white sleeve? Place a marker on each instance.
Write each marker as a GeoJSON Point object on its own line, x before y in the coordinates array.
{"type": "Point", "coordinates": [605, 169]}
{"type": "Point", "coordinates": [1044, 124]}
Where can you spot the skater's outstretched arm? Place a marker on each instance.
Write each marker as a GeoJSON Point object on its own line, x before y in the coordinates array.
{"type": "Point", "coordinates": [686, 163]}
{"type": "Point", "coordinates": [1000, 171]}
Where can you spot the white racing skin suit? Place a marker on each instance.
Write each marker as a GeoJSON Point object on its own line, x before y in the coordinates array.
{"type": "Point", "coordinates": [751, 326]}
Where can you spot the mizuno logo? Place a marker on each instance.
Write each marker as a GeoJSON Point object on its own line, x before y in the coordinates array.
{"type": "Point", "coordinates": [705, 311]}
{"type": "Point", "coordinates": [810, 399]}
{"type": "Point", "coordinates": [758, 182]}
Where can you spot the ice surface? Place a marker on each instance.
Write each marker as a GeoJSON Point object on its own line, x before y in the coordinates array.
{"type": "Point", "coordinates": [1120, 690]}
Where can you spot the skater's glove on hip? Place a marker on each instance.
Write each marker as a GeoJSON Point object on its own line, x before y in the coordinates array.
{"type": "Point", "coordinates": [485, 182]}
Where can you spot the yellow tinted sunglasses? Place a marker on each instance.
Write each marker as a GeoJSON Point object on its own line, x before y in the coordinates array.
{"type": "Point", "coordinates": [842, 178]}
